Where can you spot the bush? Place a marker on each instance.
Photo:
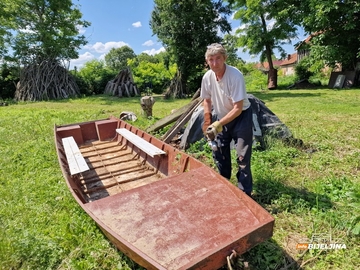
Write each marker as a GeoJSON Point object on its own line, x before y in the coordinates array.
{"type": "Point", "coordinates": [256, 80]}
{"type": "Point", "coordinates": [93, 77]}
{"type": "Point", "coordinates": [302, 70]}
{"type": "Point", "coordinates": [8, 79]}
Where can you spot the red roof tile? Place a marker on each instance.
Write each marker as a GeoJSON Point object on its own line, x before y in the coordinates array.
{"type": "Point", "coordinates": [292, 58]}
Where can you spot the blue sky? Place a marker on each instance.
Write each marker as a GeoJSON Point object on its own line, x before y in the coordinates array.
{"type": "Point", "coordinates": [115, 23]}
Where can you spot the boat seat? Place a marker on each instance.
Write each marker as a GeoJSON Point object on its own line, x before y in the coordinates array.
{"type": "Point", "coordinates": [145, 146]}
{"type": "Point", "coordinates": [76, 161]}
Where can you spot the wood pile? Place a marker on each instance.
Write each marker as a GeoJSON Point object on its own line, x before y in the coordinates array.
{"type": "Point", "coordinates": [46, 80]}
{"type": "Point", "coordinates": [182, 120]}
{"type": "Point", "coordinates": [122, 85]}
{"type": "Point", "coordinates": [180, 116]}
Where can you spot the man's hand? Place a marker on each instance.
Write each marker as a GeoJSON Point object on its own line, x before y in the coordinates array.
{"type": "Point", "coordinates": [213, 130]}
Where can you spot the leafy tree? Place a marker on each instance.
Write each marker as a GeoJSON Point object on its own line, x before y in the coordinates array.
{"type": "Point", "coordinates": [116, 58]}
{"type": "Point", "coordinates": [230, 43]}
{"type": "Point", "coordinates": [335, 26]}
{"type": "Point", "coordinates": [152, 71]}
{"type": "Point", "coordinates": [144, 57]}
{"type": "Point", "coordinates": [267, 26]}
{"type": "Point", "coordinates": [47, 29]}
{"type": "Point", "coordinates": [7, 23]}
{"type": "Point", "coordinates": [42, 35]}
{"type": "Point", "coordinates": [8, 81]}
{"type": "Point", "coordinates": [185, 28]}
{"type": "Point", "coordinates": [95, 75]}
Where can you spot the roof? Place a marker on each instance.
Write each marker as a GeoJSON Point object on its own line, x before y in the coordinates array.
{"type": "Point", "coordinates": [265, 65]}
{"type": "Point", "coordinates": [292, 59]}
{"type": "Point", "coordinates": [308, 39]}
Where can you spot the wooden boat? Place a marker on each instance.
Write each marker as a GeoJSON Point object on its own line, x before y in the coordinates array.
{"type": "Point", "coordinates": [161, 207]}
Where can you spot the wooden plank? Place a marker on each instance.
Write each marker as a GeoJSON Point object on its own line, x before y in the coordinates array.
{"type": "Point", "coordinates": [76, 161]}
{"type": "Point", "coordinates": [172, 117]}
{"type": "Point", "coordinates": [145, 146]}
{"type": "Point", "coordinates": [180, 122]}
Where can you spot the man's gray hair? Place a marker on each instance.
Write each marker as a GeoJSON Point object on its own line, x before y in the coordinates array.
{"type": "Point", "coordinates": [215, 48]}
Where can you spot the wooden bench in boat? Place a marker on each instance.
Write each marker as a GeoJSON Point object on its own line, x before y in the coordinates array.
{"type": "Point", "coordinates": [76, 161]}
{"type": "Point", "coordinates": [145, 146]}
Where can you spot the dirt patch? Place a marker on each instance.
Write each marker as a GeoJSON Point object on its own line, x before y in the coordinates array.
{"type": "Point", "coordinates": [303, 84]}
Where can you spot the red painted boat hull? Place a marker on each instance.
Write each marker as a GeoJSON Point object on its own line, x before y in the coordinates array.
{"type": "Point", "coordinates": [168, 212]}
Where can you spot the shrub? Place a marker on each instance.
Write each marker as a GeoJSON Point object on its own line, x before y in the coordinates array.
{"type": "Point", "coordinates": [302, 70]}
{"type": "Point", "coordinates": [8, 79]}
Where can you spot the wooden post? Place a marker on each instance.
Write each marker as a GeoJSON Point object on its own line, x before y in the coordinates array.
{"type": "Point", "coordinates": [147, 103]}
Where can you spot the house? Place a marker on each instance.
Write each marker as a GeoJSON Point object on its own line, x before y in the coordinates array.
{"type": "Point", "coordinates": [264, 67]}
{"type": "Point", "coordinates": [288, 65]}
{"type": "Point", "coordinates": [303, 47]}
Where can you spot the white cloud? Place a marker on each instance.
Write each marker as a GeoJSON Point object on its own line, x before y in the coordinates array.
{"type": "Point", "coordinates": [81, 29]}
{"type": "Point", "coordinates": [153, 51]}
{"type": "Point", "coordinates": [148, 43]}
{"type": "Point", "coordinates": [102, 57]}
{"type": "Point", "coordinates": [83, 58]}
{"type": "Point", "coordinates": [137, 24]}
{"type": "Point", "coordinates": [270, 24]}
{"type": "Point", "coordinates": [104, 48]}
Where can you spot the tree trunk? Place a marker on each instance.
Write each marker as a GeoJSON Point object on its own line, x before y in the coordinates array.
{"type": "Point", "coordinates": [272, 79]}
{"type": "Point", "coordinates": [147, 103]}
{"type": "Point", "coordinates": [272, 75]}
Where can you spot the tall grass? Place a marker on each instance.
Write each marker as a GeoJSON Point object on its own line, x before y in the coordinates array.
{"type": "Point", "coordinates": [309, 190]}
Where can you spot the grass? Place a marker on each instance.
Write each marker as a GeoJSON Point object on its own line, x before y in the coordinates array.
{"type": "Point", "coordinates": [313, 189]}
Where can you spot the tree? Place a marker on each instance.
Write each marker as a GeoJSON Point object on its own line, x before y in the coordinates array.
{"type": "Point", "coordinates": [44, 35]}
{"type": "Point", "coordinates": [267, 26]}
{"type": "Point", "coordinates": [95, 75]}
{"type": "Point", "coordinates": [144, 57]}
{"type": "Point", "coordinates": [116, 58]}
{"type": "Point", "coordinates": [230, 43]}
{"type": "Point", "coordinates": [185, 28]}
{"type": "Point", "coordinates": [7, 23]}
{"type": "Point", "coordinates": [152, 70]}
{"type": "Point", "coordinates": [335, 29]}
{"type": "Point", "coordinates": [47, 29]}
{"type": "Point", "coordinates": [7, 81]}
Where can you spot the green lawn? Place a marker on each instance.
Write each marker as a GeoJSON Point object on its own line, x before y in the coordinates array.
{"type": "Point", "coordinates": [310, 190]}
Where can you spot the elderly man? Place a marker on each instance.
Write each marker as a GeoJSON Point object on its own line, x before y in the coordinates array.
{"type": "Point", "coordinates": [223, 90]}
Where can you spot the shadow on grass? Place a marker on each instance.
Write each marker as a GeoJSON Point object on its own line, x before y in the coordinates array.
{"type": "Point", "coordinates": [276, 197]}
{"type": "Point", "coordinates": [268, 96]}
{"type": "Point", "coordinates": [264, 256]}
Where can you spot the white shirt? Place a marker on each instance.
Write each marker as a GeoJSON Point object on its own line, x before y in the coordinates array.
{"type": "Point", "coordinates": [227, 91]}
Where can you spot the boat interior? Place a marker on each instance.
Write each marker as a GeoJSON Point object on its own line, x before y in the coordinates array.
{"type": "Point", "coordinates": [115, 163]}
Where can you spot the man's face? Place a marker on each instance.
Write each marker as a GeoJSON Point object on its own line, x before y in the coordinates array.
{"type": "Point", "coordinates": [216, 62]}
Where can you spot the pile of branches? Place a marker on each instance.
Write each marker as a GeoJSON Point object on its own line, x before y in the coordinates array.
{"type": "Point", "coordinates": [123, 85]}
{"type": "Point", "coordinates": [176, 88]}
{"type": "Point", "coordinates": [45, 81]}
